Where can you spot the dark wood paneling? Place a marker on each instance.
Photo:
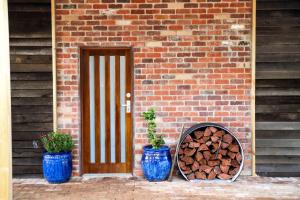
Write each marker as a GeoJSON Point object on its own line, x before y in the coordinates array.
{"type": "Point", "coordinates": [278, 117]}
{"type": "Point", "coordinates": [26, 153]}
{"type": "Point", "coordinates": [278, 168]}
{"type": "Point", "coordinates": [278, 88]}
{"type": "Point", "coordinates": [31, 80]}
{"type": "Point", "coordinates": [284, 108]}
{"type": "Point", "coordinates": [281, 39]}
{"type": "Point", "coordinates": [263, 100]}
{"type": "Point", "coordinates": [28, 76]}
{"type": "Point", "coordinates": [277, 134]}
{"type": "Point", "coordinates": [279, 174]}
{"type": "Point", "coordinates": [26, 135]}
{"type": "Point", "coordinates": [27, 169]}
{"type": "Point", "coordinates": [32, 101]}
{"type": "Point", "coordinates": [277, 30]}
{"type": "Point", "coordinates": [278, 159]}
{"type": "Point", "coordinates": [278, 5]}
{"type": "Point", "coordinates": [29, 118]}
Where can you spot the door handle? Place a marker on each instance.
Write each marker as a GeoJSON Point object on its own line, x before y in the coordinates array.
{"type": "Point", "coordinates": [127, 105]}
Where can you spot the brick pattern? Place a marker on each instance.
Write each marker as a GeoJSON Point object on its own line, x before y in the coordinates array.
{"type": "Point", "coordinates": [191, 62]}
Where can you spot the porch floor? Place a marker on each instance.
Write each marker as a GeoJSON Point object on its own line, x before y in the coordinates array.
{"type": "Point", "coordinates": [132, 188]}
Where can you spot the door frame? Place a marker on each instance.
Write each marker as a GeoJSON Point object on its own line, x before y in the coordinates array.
{"type": "Point", "coordinates": [81, 96]}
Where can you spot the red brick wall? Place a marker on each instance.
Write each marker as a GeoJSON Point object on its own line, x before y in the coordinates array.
{"type": "Point", "coordinates": [191, 62]}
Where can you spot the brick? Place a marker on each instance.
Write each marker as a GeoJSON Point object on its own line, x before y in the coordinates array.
{"type": "Point", "coordinates": [153, 44]}
{"type": "Point", "coordinates": [123, 22]}
{"type": "Point", "coordinates": [175, 5]}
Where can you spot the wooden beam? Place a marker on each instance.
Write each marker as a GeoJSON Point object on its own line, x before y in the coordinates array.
{"type": "Point", "coordinates": [5, 107]}
{"type": "Point", "coordinates": [54, 64]}
{"type": "Point", "coordinates": [253, 70]}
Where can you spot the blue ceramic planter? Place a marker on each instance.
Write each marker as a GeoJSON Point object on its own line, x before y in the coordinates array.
{"type": "Point", "coordinates": [156, 163]}
{"type": "Point", "coordinates": [57, 167]}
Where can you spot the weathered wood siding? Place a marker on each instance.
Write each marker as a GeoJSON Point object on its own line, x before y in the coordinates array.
{"type": "Point", "coordinates": [278, 88]}
{"type": "Point", "coordinates": [31, 80]}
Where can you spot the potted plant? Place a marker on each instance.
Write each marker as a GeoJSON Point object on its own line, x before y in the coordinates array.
{"type": "Point", "coordinates": [156, 159]}
{"type": "Point", "coordinates": [57, 157]}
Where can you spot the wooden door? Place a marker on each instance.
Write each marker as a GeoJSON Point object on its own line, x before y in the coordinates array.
{"type": "Point", "coordinates": [106, 105]}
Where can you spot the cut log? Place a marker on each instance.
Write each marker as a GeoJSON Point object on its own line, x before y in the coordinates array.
{"type": "Point", "coordinates": [203, 147]}
{"type": "Point", "coordinates": [201, 141]}
{"type": "Point", "coordinates": [208, 143]}
{"type": "Point", "coordinates": [184, 145]}
{"type": "Point", "coordinates": [224, 176]}
{"type": "Point", "coordinates": [199, 156]}
{"type": "Point", "coordinates": [198, 134]}
{"type": "Point", "coordinates": [211, 175]}
{"type": "Point", "coordinates": [191, 176]}
{"type": "Point", "coordinates": [227, 138]}
{"type": "Point", "coordinates": [233, 171]}
{"type": "Point", "coordinates": [214, 138]}
{"type": "Point", "coordinates": [203, 162]}
{"type": "Point", "coordinates": [187, 171]}
{"type": "Point", "coordinates": [187, 139]}
{"type": "Point", "coordinates": [189, 152]}
{"type": "Point", "coordinates": [226, 161]}
{"type": "Point", "coordinates": [216, 156]}
{"type": "Point", "coordinates": [188, 160]}
{"type": "Point", "coordinates": [205, 138]}
{"type": "Point", "coordinates": [207, 169]}
{"type": "Point", "coordinates": [213, 129]}
{"type": "Point", "coordinates": [180, 152]}
{"type": "Point", "coordinates": [239, 157]}
{"type": "Point", "coordinates": [224, 145]}
{"type": "Point", "coordinates": [207, 155]}
{"type": "Point", "coordinates": [223, 152]}
{"type": "Point", "coordinates": [217, 170]}
{"type": "Point", "coordinates": [224, 168]}
{"type": "Point", "coordinates": [235, 163]}
{"type": "Point", "coordinates": [195, 166]}
{"type": "Point", "coordinates": [215, 147]}
{"type": "Point", "coordinates": [182, 166]}
{"type": "Point", "coordinates": [194, 144]}
{"type": "Point", "coordinates": [200, 175]}
{"type": "Point", "coordinates": [207, 132]}
{"type": "Point", "coordinates": [213, 163]}
{"type": "Point", "coordinates": [219, 134]}
{"type": "Point", "coordinates": [234, 148]}
{"type": "Point", "coordinates": [231, 154]}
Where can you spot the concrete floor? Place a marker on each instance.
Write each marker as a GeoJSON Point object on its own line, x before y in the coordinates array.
{"type": "Point", "coordinates": [131, 188]}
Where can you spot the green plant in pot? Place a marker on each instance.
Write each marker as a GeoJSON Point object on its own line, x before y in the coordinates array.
{"type": "Point", "coordinates": [57, 157]}
{"type": "Point", "coordinates": [156, 159]}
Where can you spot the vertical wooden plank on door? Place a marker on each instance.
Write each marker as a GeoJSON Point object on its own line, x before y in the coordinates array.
{"type": "Point", "coordinates": [85, 110]}
{"type": "Point", "coordinates": [97, 108]}
{"type": "Point", "coordinates": [107, 109]}
{"type": "Point", "coordinates": [118, 106]}
{"type": "Point", "coordinates": [128, 115]}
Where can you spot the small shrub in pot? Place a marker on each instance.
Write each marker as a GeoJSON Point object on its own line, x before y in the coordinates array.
{"type": "Point", "coordinates": [57, 157]}
{"type": "Point", "coordinates": [156, 159]}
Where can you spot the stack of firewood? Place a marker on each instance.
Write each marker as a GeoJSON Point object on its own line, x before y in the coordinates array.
{"type": "Point", "coordinates": [208, 154]}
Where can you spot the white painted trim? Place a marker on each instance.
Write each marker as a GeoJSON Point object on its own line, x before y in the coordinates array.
{"type": "Point", "coordinates": [5, 107]}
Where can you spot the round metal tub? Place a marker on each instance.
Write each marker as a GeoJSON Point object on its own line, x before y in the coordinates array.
{"type": "Point", "coordinates": [202, 127]}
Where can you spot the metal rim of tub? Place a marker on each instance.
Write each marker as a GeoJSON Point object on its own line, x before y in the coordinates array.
{"type": "Point", "coordinates": [204, 125]}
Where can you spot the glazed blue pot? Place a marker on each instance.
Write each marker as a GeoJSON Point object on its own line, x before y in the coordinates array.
{"type": "Point", "coordinates": [156, 163]}
{"type": "Point", "coordinates": [57, 167]}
